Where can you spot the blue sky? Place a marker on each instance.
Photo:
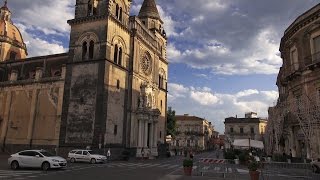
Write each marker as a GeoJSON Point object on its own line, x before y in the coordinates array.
{"type": "Point", "coordinates": [223, 54]}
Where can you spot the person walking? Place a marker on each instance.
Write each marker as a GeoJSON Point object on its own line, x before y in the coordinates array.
{"type": "Point", "coordinates": [108, 155]}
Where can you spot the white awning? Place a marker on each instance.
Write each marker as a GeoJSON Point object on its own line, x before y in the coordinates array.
{"type": "Point", "coordinates": [247, 143]}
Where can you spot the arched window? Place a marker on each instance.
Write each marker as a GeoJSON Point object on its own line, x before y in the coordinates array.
{"type": "Point", "coordinates": [120, 14]}
{"type": "Point", "coordinates": [117, 11]}
{"type": "Point", "coordinates": [91, 50]}
{"type": "Point", "coordinates": [90, 7]}
{"type": "Point", "coordinates": [13, 55]}
{"type": "Point", "coordinates": [120, 56]}
{"type": "Point", "coordinates": [118, 84]}
{"type": "Point", "coordinates": [115, 58]}
{"type": "Point", "coordinates": [84, 50]}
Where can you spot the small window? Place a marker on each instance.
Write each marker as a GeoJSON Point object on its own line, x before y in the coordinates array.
{"type": "Point", "coordinates": [161, 104]}
{"type": "Point", "coordinates": [91, 50]}
{"type": "Point", "coordinates": [316, 44]}
{"type": "Point", "coordinates": [143, 22]}
{"type": "Point", "coordinates": [90, 8]}
{"type": "Point", "coordinates": [231, 130]}
{"type": "Point", "coordinates": [120, 14]}
{"type": "Point", "coordinates": [84, 50]}
{"type": "Point", "coordinates": [160, 134]}
{"type": "Point", "coordinates": [115, 130]}
{"type": "Point", "coordinates": [13, 55]}
{"type": "Point", "coordinates": [120, 56]}
{"type": "Point", "coordinates": [241, 130]}
{"type": "Point", "coordinates": [252, 130]}
{"type": "Point", "coordinates": [57, 73]}
{"type": "Point", "coordinates": [117, 11]}
{"type": "Point", "coordinates": [115, 56]}
{"type": "Point", "coordinates": [85, 152]}
{"type": "Point", "coordinates": [118, 84]}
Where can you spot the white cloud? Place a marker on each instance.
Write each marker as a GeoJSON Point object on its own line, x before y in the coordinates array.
{"type": "Point", "coordinates": [203, 102]}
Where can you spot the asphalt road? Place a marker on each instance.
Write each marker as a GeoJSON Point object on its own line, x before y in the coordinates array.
{"type": "Point", "coordinates": [159, 169]}
{"type": "Point", "coordinates": [167, 168]}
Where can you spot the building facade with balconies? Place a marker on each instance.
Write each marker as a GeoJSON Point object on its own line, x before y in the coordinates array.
{"type": "Point", "coordinates": [243, 128]}
{"type": "Point", "coordinates": [294, 123]}
{"type": "Point", "coordinates": [193, 133]}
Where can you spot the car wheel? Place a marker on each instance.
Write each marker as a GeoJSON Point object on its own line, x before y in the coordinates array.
{"type": "Point", "coordinates": [45, 166]}
{"type": "Point", "coordinates": [14, 165]}
{"type": "Point", "coordinates": [93, 161]}
{"type": "Point", "coordinates": [72, 160]}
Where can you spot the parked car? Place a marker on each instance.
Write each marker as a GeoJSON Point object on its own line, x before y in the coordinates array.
{"type": "Point", "coordinates": [79, 155]}
{"type": "Point", "coordinates": [316, 166]}
{"type": "Point", "coordinates": [36, 159]}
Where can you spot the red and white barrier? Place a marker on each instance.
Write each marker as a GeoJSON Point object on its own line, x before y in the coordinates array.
{"type": "Point", "coordinates": [212, 161]}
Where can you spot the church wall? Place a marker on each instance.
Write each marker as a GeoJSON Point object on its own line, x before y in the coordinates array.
{"type": "Point", "coordinates": [19, 117]}
{"type": "Point", "coordinates": [3, 97]}
{"type": "Point", "coordinates": [47, 117]}
{"type": "Point", "coordinates": [33, 119]}
{"type": "Point", "coordinates": [82, 104]}
{"type": "Point", "coordinates": [116, 103]}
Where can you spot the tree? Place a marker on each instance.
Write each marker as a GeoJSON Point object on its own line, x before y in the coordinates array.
{"type": "Point", "coordinates": [171, 122]}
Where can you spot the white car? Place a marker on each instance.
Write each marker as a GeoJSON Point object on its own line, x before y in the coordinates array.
{"type": "Point", "coordinates": [79, 155]}
{"type": "Point", "coordinates": [36, 159]}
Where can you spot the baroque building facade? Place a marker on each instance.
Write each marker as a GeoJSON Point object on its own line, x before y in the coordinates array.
{"type": "Point", "coordinates": [293, 126]}
{"type": "Point", "coordinates": [251, 126]}
{"type": "Point", "coordinates": [108, 90]}
{"type": "Point", "coordinates": [193, 133]}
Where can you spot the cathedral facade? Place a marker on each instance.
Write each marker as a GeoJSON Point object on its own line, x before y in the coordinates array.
{"type": "Point", "coordinates": [109, 90]}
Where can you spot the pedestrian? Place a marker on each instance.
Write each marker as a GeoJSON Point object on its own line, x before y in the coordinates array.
{"type": "Point", "coordinates": [142, 153]}
{"type": "Point", "coordinates": [108, 155]}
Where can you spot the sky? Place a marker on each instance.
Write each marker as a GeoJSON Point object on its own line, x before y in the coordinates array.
{"type": "Point", "coordinates": [223, 54]}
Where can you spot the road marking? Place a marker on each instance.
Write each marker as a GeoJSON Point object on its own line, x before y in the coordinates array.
{"type": "Point", "coordinates": [172, 166]}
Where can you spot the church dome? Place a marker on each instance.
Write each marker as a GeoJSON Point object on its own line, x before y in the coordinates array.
{"type": "Point", "coordinates": [10, 37]}
{"type": "Point", "coordinates": [9, 32]}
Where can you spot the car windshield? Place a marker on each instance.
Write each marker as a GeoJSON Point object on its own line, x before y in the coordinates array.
{"type": "Point", "coordinates": [93, 152]}
{"type": "Point", "coordinates": [47, 154]}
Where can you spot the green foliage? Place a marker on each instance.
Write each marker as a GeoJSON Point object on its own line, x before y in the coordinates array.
{"type": "Point", "coordinates": [229, 154]}
{"type": "Point", "coordinates": [253, 166]}
{"type": "Point", "coordinates": [171, 122]}
{"type": "Point", "coordinates": [244, 157]}
{"type": "Point", "coordinates": [187, 163]}
{"type": "Point", "coordinates": [279, 158]}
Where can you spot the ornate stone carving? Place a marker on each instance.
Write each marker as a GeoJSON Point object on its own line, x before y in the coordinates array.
{"type": "Point", "coordinates": [146, 64]}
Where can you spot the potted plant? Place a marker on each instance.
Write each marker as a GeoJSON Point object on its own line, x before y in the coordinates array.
{"type": "Point", "coordinates": [187, 166]}
{"type": "Point", "coordinates": [253, 167]}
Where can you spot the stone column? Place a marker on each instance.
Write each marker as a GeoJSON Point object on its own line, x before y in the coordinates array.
{"type": "Point", "coordinates": [292, 143]}
{"type": "Point", "coordinates": [145, 134]}
{"type": "Point", "coordinates": [151, 136]}
{"type": "Point", "coordinates": [140, 134]}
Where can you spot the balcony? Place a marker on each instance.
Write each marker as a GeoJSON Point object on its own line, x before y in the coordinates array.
{"type": "Point", "coordinates": [312, 61]}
